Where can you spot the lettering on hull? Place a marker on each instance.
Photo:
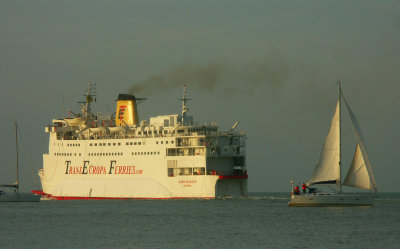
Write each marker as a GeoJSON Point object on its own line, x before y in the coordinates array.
{"type": "Point", "coordinates": [113, 169]}
{"type": "Point", "coordinates": [187, 183]}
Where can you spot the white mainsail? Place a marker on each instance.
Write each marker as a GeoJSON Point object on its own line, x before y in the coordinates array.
{"type": "Point", "coordinates": [328, 166]}
{"type": "Point", "coordinates": [360, 171]}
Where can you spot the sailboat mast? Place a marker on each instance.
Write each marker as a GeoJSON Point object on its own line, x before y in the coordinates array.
{"type": "Point", "coordinates": [340, 139]}
{"type": "Point", "coordinates": [16, 149]}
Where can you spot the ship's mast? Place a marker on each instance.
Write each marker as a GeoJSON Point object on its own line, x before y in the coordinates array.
{"type": "Point", "coordinates": [185, 108]}
{"type": "Point", "coordinates": [16, 149]}
{"type": "Point", "coordinates": [90, 96]}
{"type": "Point", "coordinates": [340, 139]}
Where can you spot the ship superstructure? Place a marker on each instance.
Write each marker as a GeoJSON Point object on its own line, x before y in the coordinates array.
{"type": "Point", "coordinates": [169, 156]}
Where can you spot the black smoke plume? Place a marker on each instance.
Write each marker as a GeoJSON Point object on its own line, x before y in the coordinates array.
{"type": "Point", "coordinates": [270, 72]}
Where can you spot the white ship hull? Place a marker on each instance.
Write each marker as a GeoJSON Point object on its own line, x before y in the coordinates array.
{"type": "Point", "coordinates": [120, 174]}
{"type": "Point", "coordinates": [331, 199]}
{"type": "Point", "coordinates": [100, 189]}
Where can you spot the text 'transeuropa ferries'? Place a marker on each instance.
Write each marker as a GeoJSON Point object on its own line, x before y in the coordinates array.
{"type": "Point", "coordinates": [93, 157]}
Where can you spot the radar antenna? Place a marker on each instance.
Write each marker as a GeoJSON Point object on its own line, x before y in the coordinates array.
{"type": "Point", "coordinates": [90, 96]}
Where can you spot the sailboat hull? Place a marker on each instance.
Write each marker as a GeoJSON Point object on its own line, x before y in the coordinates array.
{"type": "Point", "coordinates": [331, 199]}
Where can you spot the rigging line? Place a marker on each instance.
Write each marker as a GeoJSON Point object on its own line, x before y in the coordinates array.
{"type": "Point", "coordinates": [27, 156]}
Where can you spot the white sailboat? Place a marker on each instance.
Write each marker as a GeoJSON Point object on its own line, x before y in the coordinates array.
{"type": "Point", "coordinates": [328, 169]}
{"type": "Point", "coordinates": [10, 192]}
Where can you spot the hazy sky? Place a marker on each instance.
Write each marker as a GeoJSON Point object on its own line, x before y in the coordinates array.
{"type": "Point", "coordinates": [271, 65]}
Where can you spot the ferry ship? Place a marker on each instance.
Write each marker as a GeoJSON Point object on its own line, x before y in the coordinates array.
{"type": "Point", "coordinates": [118, 157]}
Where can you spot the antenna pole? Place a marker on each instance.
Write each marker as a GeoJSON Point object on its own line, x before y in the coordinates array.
{"type": "Point", "coordinates": [88, 99]}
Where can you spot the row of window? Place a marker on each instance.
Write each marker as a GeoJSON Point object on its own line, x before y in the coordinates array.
{"type": "Point", "coordinates": [69, 145]}
{"type": "Point", "coordinates": [185, 152]}
{"type": "Point", "coordinates": [110, 154]}
{"type": "Point", "coordinates": [153, 132]}
{"type": "Point", "coordinates": [107, 154]}
{"type": "Point", "coordinates": [114, 144]}
{"type": "Point", "coordinates": [109, 144]}
{"type": "Point", "coordinates": [166, 142]}
{"type": "Point", "coordinates": [138, 143]}
{"type": "Point", "coordinates": [133, 143]}
{"type": "Point", "coordinates": [66, 154]}
{"type": "Point", "coordinates": [186, 171]}
{"type": "Point", "coordinates": [145, 153]}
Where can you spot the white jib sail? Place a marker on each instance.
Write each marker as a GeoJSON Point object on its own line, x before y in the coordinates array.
{"type": "Point", "coordinates": [357, 176]}
{"type": "Point", "coordinates": [328, 168]}
{"type": "Point", "coordinates": [361, 146]}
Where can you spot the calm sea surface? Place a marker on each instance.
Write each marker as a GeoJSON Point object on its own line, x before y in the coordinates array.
{"type": "Point", "coordinates": [261, 220]}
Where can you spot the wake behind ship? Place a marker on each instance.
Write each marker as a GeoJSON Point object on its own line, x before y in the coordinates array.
{"type": "Point", "coordinates": [169, 156]}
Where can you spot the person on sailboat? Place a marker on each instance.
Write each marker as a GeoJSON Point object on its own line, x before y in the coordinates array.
{"type": "Point", "coordinates": [304, 188]}
{"type": "Point", "coordinates": [296, 190]}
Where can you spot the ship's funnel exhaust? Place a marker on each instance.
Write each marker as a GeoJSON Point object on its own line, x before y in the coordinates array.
{"type": "Point", "coordinates": [126, 113]}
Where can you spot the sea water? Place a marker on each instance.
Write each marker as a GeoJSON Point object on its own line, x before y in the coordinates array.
{"type": "Point", "coordinates": [262, 220]}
